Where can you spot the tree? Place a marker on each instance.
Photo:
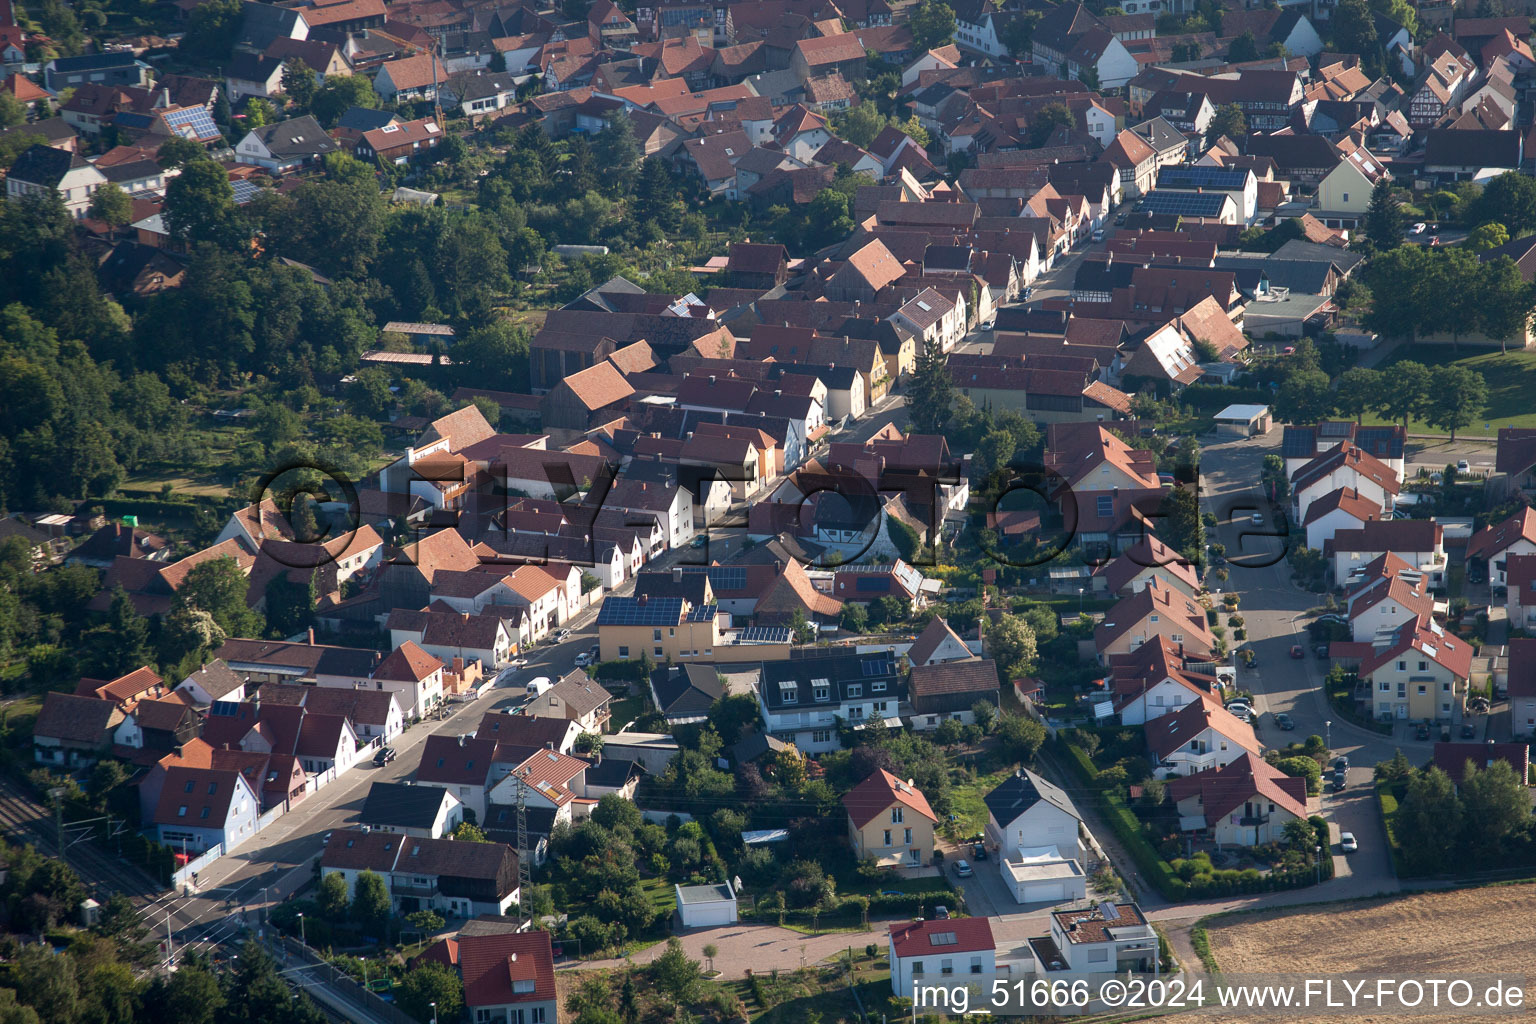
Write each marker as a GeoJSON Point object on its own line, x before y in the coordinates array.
{"type": "Point", "coordinates": [985, 713]}
{"type": "Point", "coordinates": [200, 204]}
{"type": "Point", "coordinates": [332, 897]}
{"type": "Point", "coordinates": [291, 605]}
{"type": "Point", "coordinates": [1458, 398]}
{"type": "Point", "coordinates": [1229, 121]}
{"type": "Point", "coordinates": [468, 832]}
{"type": "Point", "coordinates": [993, 453]}
{"type": "Point", "coordinates": [1504, 301]}
{"type": "Point", "coordinates": [618, 154]}
{"type": "Point", "coordinates": [1011, 643]}
{"type": "Point", "coordinates": [710, 951]}
{"type": "Point", "coordinates": [105, 777]}
{"type": "Point", "coordinates": [930, 391]}
{"type": "Point", "coordinates": [1244, 48]}
{"type": "Point", "coordinates": [495, 355]}
{"type": "Point", "coordinates": [341, 93]}
{"type": "Point", "coordinates": [218, 587]}
{"type": "Point", "coordinates": [259, 113]}
{"type": "Point", "coordinates": [299, 83]}
{"type": "Point", "coordinates": [789, 768]}
{"type": "Point", "coordinates": [431, 983]}
{"type": "Point", "coordinates": [12, 110]}
{"type": "Point", "coordinates": [193, 997]}
{"type": "Point", "coordinates": [1408, 391]}
{"type": "Point", "coordinates": [111, 204]}
{"type": "Point", "coordinates": [855, 617]}
{"type": "Point", "coordinates": [178, 152]}
{"type": "Point", "coordinates": [933, 24]}
{"type": "Point", "coordinates": [1383, 217]}
{"type": "Point", "coordinates": [1487, 236]}
{"type": "Point", "coordinates": [1510, 200]}
{"type": "Point", "coordinates": [1305, 397]}
{"type": "Point", "coordinates": [1495, 807]}
{"type": "Point", "coordinates": [1354, 31]}
{"type": "Point", "coordinates": [370, 904]}
{"type": "Point", "coordinates": [675, 973]}
{"type": "Point", "coordinates": [1019, 737]}
{"type": "Point", "coordinates": [1045, 122]}
{"type": "Point", "coordinates": [211, 31]}
{"type": "Point", "coordinates": [1429, 819]}
{"type": "Point", "coordinates": [1359, 391]}
{"type": "Point", "coordinates": [125, 645]}
{"type": "Point", "coordinates": [1019, 34]}
{"type": "Point", "coordinates": [859, 124]}
{"type": "Point", "coordinates": [1180, 525]}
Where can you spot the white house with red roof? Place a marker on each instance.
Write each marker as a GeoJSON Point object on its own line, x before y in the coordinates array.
{"type": "Point", "coordinates": [204, 808]}
{"type": "Point", "coordinates": [890, 821]}
{"type": "Point", "coordinates": [1102, 939]}
{"type": "Point", "coordinates": [1104, 478]}
{"type": "Point", "coordinates": [1418, 674]}
{"type": "Point", "coordinates": [1494, 544]}
{"type": "Point", "coordinates": [1244, 803]}
{"type": "Point", "coordinates": [413, 676]}
{"type": "Point", "coordinates": [1198, 736]}
{"type": "Point", "coordinates": [1522, 686]}
{"type": "Point", "coordinates": [548, 779]}
{"type": "Point", "coordinates": [508, 976]}
{"type": "Point", "coordinates": [1349, 466]}
{"type": "Point", "coordinates": [1341, 509]}
{"type": "Point", "coordinates": [1390, 593]}
{"type": "Point", "coordinates": [1419, 542]}
{"type": "Point", "coordinates": [1154, 612]}
{"type": "Point", "coordinates": [1520, 591]}
{"type": "Point", "coordinates": [1152, 681]}
{"type": "Point", "coordinates": [951, 951]}
{"type": "Point", "coordinates": [1147, 561]}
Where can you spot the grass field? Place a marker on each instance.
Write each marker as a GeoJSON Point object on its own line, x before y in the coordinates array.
{"type": "Point", "coordinates": [968, 799]}
{"type": "Point", "coordinates": [1511, 381]}
{"type": "Point", "coordinates": [1434, 934]}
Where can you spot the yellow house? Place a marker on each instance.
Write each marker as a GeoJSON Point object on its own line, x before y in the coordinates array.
{"type": "Point", "coordinates": [1419, 675]}
{"type": "Point", "coordinates": [673, 629]}
{"type": "Point", "coordinates": [890, 821]}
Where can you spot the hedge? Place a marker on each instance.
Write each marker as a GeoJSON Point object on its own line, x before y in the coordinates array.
{"type": "Point", "coordinates": [1387, 800]}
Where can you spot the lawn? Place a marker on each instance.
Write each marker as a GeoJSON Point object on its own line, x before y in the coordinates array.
{"type": "Point", "coordinates": [968, 800]}
{"type": "Point", "coordinates": [1511, 381]}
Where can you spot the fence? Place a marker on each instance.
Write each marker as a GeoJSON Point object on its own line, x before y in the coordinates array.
{"type": "Point", "coordinates": [184, 873]}
{"type": "Point", "coordinates": [341, 989]}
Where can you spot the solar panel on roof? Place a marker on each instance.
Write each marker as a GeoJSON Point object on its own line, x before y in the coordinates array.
{"type": "Point", "coordinates": [1202, 177]}
{"type": "Point", "coordinates": [244, 191]}
{"type": "Point", "coordinates": [192, 123]}
{"type": "Point", "coordinates": [728, 577]}
{"type": "Point", "coordinates": [1190, 204]}
{"type": "Point", "coordinates": [630, 612]}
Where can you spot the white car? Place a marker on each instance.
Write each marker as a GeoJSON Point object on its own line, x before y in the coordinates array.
{"type": "Point", "coordinates": [583, 659]}
{"type": "Point", "coordinates": [1417, 229]}
{"type": "Point", "coordinates": [1463, 466]}
{"type": "Point", "coordinates": [1347, 842]}
{"type": "Point", "coordinates": [987, 325]}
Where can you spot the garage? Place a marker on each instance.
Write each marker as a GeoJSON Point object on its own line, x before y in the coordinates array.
{"type": "Point", "coordinates": [1239, 421]}
{"type": "Point", "coordinates": [705, 906]}
{"type": "Point", "coordinates": [1041, 875]}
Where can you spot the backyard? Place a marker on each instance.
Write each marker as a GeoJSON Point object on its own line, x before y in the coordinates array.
{"type": "Point", "coordinates": [1511, 379]}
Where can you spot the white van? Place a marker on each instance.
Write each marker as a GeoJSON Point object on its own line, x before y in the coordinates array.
{"type": "Point", "coordinates": [537, 687]}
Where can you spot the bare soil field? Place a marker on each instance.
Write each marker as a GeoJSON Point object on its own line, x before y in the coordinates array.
{"type": "Point", "coordinates": [1445, 934]}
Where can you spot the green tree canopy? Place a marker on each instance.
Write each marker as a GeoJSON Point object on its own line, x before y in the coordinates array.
{"type": "Point", "coordinates": [932, 24]}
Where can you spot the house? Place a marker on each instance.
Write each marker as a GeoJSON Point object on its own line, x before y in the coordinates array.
{"type": "Point", "coordinates": [511, 727]}
{"type": "Point", "coordinates": [456, 879]}
{"type": "Point", "coordinates": [1452, 758]}
{"type": "Point", "coordinates": [757, 265]}
{"type": "Point", "coordinates": [1342, 509]}
{"type": "Point", "coordinates": [1346, 465]}
{"type": "Point", "coordinates": [1300, 445]}
{"type": "Point", "coordinates": [685, 693]}
{"type": "Point", "coordinates": [1418, 674]}
{"type": "Point", "coordinates": [374, 715]}
{"type": "Point", "coordinates": [204, 809]}
{"type": "Point", "coordinates": [73, 731]}
{"type": "Point", "coordinates": [1148, 562]}
{"type": "Point", "coordinates": [933, 319]}
{"type": "Point", "coordinates": [1419, 542]}
{"type": "Point", "coordinates": [1071, 41]}
{"type": "Point", "coordinates": [937, 644]}
{"type": "Point", "coordinates": [1026, 813]}
{"type": "Point", "coordinates": [399, 143]}
{"type": "Point", "coordinates": [252, 74]}
{"type": "Point", "coordinates": [1522, 686]}
{"type": "Point", "coordinates": [1246, 802]}
{"type": "Point", "coordinates": [42, 169]}
{"type": "Point", "coordinates": [803, 699]}
{"type": "Point", "coordinates": [575, 698]}
{"type": "Point", "coordinates": [549, 781]}
{"type": "Point", "coordinates": [1155, 680]}
{"type": "Point", "coordinates": [1200, 735]}
{"type": "Point", "coordinates": [1496, 543]}
{"type": "Point", "coordinates": [508, 976]}
{"type": "Point", "coordinates": [414, 676]}
{"type": "Point", "coordinates": [979, 28]}
{"type": "Point", "coordinates": [1385, 595]}
{"type": "Point", "coordinates": [890, 822]}
{"type": "Point", "coordinates": [941, 952]}
{"type": "Point", "coordinates": [1520, 591]}
{"type": "Point", "coordinates": [120, 69]}
{"type": "Point", "coordinates": [417, 77]}
{"type": "Point", "coordinates": [158, 725]}
{"type": "Point", "coordinates": [463, 765]}
{"type": "Point", "coordinates": [705, 906]}
{"type": "Point", "coordinates": [1515, 459]}
{"type": "Point", "coordinates": [287, 146]}
{"type": "Point", "coordinates": [951, 690]}
{"type": "Point", "coordinates": [489, 637]}
{"type": "Point", "coordinates": [1154, 612]}
{"type": "Point", "coordinates": [426, 812]}
{"type": "Point", "coordinates": [1107, 938]}
{"type": "Point", "coordinates": [675, 629]}
{"type": "Point", "coordinates": [1134, 161]}
{"type": "Point", "coordinates": [1345, 192]}
{"type": "Point", "coordinates": [1238, 183]}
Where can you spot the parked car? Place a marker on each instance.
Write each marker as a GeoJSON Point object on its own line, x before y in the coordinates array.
{"type": "Point", "coordinates": [583, 659]}
{"type": "Point", "coordinates": [537, 687]}
{"type": "Point", "coordinates": [1422, 732]}
{"type": "Point", "coordinates": [1341, 763]}
{"type": "Point", "coordinates": [1478, 704]}
{"type": "Point", "coordinates": [1283, 720]}
{"type": "Point", "coordinates": [941, 913]}
{"type": "Point", "coordinates": [1347, 842]}
{"type": "Point", "coordinates": [1475, 574]}
{"type": "Point", "coordinates": [1098, 234]}
{"type": "Point", "coordinates": [1121, 218]}
{"type": "Point", "coordinates": [1468, 731]}
{"type": "Point", "coordinates": [1297, 651]}
{"type": "Point", "coordinates": [963, 869]}
{"type": "Point", "coordinates": [979, 852]}
{"type": "Point", "coordinates": [1322, 652]}
{"type": "Point", "coordinates": [988, 325]}
{"type": "Point", "coordinates": [1418, 229]}
{"type": "Point", "coordinates": [699, 541]}
{"type": "Point", "coordinates": [562, 636]}
{"type": "Point", "coordinates": [1463, 466]}
{"type": "Point", "coordinates": [384, 756]}
{"type": "Point", "coordinates": [1339, 782]}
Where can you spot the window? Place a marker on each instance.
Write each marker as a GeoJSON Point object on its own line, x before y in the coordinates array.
{"type": "Point", "coordinates": [655, 634]}
{"type": "Point", "coordinates": [1445, 687]}
{"type": "Point", "coordinates": [1423, 690]}
{"type": "Point", "coordinates": [821, 736]}
{"type": "Point", "coordinates": [917, 967]}
{"type": "Point", "coordinates": [1098, 955]}
{"type": "Point", "coordinates": [887, 837]}
{"type": "Point", "coordinates": [181, 812]}
{"type": "Point", "coordinates": [877, 687]}
{"type": "Point", "coordinates": [190, 784]}
{"type": "Point", "coordinates": [515, 1017]}
{"type": "Point", "coordinates": [896, 815]}
{"type": "Point", "coordinates": [946, 967]}
{"type": "Point", "coordinates": [1177, 638]}
{"type": "Point", "coordinates": [1156, 619]}
{"type": "Point", "coordinates": [204, 814]}
{"type": "Point", "coordinates": [1105, 505]}
{"type": "Point", "coordinates": [1346, 197]}
{"type": "Point", "coordinates": [975, 965]}
{"type": "Point", "coordinates": [822, 691]}
{"type": "Point", "coordinates": [537, 1015]}
{"type": "Point", "coordinates": [855, 689]}
{"type": "Point", "coordinates": [1402, 666]}
{"type": "Point", "coordinates": [907, 836]}
{"type": "Point", "coordinates": [623, 652]}
{"type": "Point", "coordinates": [1385, 686]}
{"type": "Point", "coordinates": [658, 651]}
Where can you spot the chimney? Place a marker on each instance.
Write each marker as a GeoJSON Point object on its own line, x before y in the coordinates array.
{"type": "Point", "coordinates": [641, 599]}
{"type": "Point", "coordinates": [458, 665]}
{"type": "Point", "coordinates": [549, 745]}
{"type": "Point", "coordinates": [677, 574]}
{"type": "Point", "coordinates": [311, 636]}
{"type": "Point", "coordinates": [711, 380]}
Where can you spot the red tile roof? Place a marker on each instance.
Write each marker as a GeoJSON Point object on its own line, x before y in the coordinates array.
{"type": "Point", "coordinates": [937, 938]}
{"type": "Point", "coordinates": [1492, 540]}
{"type": "Point", "coordinates": [1227, 787]}
{"type": "Point", "coordinates": [495, 967]}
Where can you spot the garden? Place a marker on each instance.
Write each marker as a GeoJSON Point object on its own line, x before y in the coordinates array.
{"type": "Point", "coordinates": [1112, 765]}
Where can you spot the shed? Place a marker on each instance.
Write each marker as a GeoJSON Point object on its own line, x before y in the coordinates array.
{"type": "Point", "coordinates": [703, 906]}
{"type": "Point", "coordinates": [1243, 421]}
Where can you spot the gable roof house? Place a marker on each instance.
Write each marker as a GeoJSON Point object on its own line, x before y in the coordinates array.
{"type": "Point", "coordinates": [1496, 543]}
{"type": "Point", "coordinates": [43, 169]}
{"type": "Point", "coordinates": [1200, 735]}
{"type": "Point", "coordinates": [951, 690]}
{"type": "Point", "coordinates": [424, 812]}
{"type": "Point", "coordinates": [507, 975]}
{"type": "Point", "coordinates": [1246, 802]}
{"type": "Point", "coordinates": [1070, 40]}
{"type": "Point", "coordinates": [890, 821]}
{"type": "Point", "coordinates": [74, 731]}
{"type": "Point", "coordinates": [287, 146]}
{"type": "Point", "coordinates": [454, 878]}
{"type": "Point", "coordinates": [685, 693]}
{"type": "Point", "coordinates": [204, 808]}
{"type": "Point", "coordinates": [1154, 612]}
{"type": "Point", "coordinates": [1026, 813]}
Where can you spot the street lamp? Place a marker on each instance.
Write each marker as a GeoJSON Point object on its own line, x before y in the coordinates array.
{"type": "Point", "coordinates": [1079, 601]}
{"type": "Point", "coordinates": [434, 1013]}
{"type": "Point", "coordinates": [1317, 852]}
{"type": "Point", "coordinates": [263, 904]}
{"type": "Point", "coordinates": [364, 961]}
{"type": "Point", "coordinates": [1328, 733]}
{"type": "Point", "coordinates": [301, 929]}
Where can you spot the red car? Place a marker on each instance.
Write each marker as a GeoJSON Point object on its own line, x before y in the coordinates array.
{"type": "Point", "coordinates": [1297, 652]}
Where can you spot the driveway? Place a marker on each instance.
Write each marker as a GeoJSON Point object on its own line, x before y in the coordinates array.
{"type": "Point", "coordinates": [758, 947]}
